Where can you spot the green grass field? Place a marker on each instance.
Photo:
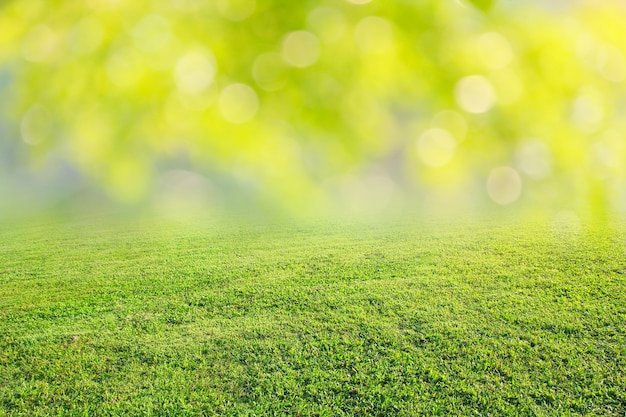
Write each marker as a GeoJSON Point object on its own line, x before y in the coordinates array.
{"type": "Point", "coordinates": [328, 319]}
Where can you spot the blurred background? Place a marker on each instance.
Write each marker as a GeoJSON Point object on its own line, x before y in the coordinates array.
{"type": "Point", "coordinates": [314, 107]}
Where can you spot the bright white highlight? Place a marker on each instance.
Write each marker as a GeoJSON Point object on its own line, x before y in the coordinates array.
{"type": "Point", "coordinates": [533, 158]}
{"type": "Point", "coordinates": [504, 185]}
{"type": "Point", "coordinates": [587, 113]}
{"type": "Point", "coordinates": [194, 73]}
{"type": "Point", "coordinates": [475, 94]}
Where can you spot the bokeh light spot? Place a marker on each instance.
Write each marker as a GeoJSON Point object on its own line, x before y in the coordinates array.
{"type": "Point", "coordinates": [39, 44]}
{"type": "Point", "coordinates": [373, 35]}
{"type": "Point", "coordinates": [495, 50]}
{"type": "Point", "coordinates": [194, 72]}
{"type": "Point", "coordinates": [504, 185]}
{"type": "Point", "coordinates": [269, 71]}
{"type": "Point", "coordinates": [152, 33]}
{"type": "Point", "coordinates": [104, 4]}
{"type": "Point", "coordinates": [602, 159]}
{"type": "Point", "coordinates": [435, 147]}
{"type": "Point", "coordinates": [301, 49]}
{"type": "Point", "coordinates": [533, 158]}
{"type": "Point", "coordinates": [238, 103]}
{"type": "Point", "coordinates": [123, 67]}
{"type": "Point", "coordinates": [475, 94]}
{"type": "Point", "coordinates": [86, 36]}
{"type": "Point", "coordinates": [199, 102]}
{"type": "Point", "coordinates": [36, 124]}
{"type": "Point", "coordinates": [611, 64]}
{"type": "Point", "coordinates": [328, 23]}
{"type": "Point", "coordinates": [606, 155]}
{"type": "Point", "coordinates": [587, 112]}
{"type": "Point", "coordinates": [236, 10]}
{"type": "Point", "coordinates": [451, 121]}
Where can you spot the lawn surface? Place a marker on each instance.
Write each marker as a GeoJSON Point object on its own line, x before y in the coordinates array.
{"type": "Point", "coordinates": [327, 319]}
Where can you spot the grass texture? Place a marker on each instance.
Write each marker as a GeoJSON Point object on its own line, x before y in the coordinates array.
{"type": "Point", "coordinates": [328, 319]}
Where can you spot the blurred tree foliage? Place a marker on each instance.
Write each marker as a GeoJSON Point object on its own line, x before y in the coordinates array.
{"type": "Point", "coordinates": [357, 102]}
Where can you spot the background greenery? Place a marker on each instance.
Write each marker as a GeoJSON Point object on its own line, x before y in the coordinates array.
{"type": "Point", "coordinates": [314, 105]}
